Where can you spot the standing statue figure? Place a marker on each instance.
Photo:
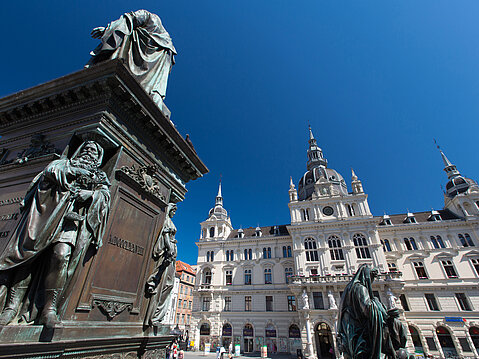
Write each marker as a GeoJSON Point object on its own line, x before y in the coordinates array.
{"type": "Point", "coordinates": [142, 42]}
{"type": "Point", "coordinates": [332, 301]}
{"type": "Point", "coordinates": [365, 328]}
{"type": "Point", "coordinates": [64, 211]}
{"type": "Point", "coordinates": [305, 299]}
{"type": "Point", "coordinates": [392, 300]}
{"type": "Point", "coordinates": [160, 283]}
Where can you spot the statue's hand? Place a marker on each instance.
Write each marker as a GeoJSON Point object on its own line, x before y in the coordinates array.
{"type": "Point", "coordinates": [83, 195]}
{"type": "Point", "coordinates": [97, 32]}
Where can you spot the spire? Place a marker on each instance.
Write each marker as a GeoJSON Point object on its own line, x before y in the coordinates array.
{"type": "Point", "coordinates": [449, 168]}
{"type": "Point", "coordinates": [291, 184]}
{"type": "Point", "coordinates": [315, 154]}
{"type": "Point", "coordinates": [356, 183]}
{"type": "Point", "coordinates": [219, 197]}
{"type": "Point", "coordinates": [293, 195]}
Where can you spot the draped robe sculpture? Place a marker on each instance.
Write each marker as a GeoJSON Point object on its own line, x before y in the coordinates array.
{"type": "Point", "coordinates": [365, 328]}
{"type": "Point", "coordinates": [64, 210]}
{"type": "Point", "coordinates": [140, 39]}
{"type": "Point", "coordinates": [160, 283]}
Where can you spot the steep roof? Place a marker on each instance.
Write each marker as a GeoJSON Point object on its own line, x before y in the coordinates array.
{"type": "Point", "coordinates": [184, 267]}
{"type": "Point", "coordinates": [266, 231]}
{"type": "Point", "coordinates": [421, 217]}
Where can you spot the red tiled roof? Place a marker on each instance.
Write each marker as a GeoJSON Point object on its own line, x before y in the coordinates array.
{"type": "Point", "coordinates": [184, 267]}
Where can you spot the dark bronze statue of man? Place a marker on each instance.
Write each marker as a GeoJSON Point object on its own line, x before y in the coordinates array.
{"type": "Point", "coordinates": [64, 211]}
{"type": "Point", "coordinates": [365, 328]}
{"type": "Point", "coordinates": [145, 46]}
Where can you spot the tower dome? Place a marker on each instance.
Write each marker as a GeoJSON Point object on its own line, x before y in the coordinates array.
{"type": "Point", "coordinates": [318, 170]}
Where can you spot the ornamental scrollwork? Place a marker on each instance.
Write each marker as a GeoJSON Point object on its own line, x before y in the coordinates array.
{"type": "Point", "coordinates": [144, 178]}
{"type": "Point", "coordinates": [111, 308]}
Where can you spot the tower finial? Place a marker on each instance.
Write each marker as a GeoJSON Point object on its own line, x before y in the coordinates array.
{"type": "Point", "coordinates": [449, 168]}
{"type": "Point", "coordinates": [219, 196]}
{"type": "Point", "coordinates": [315, 154]}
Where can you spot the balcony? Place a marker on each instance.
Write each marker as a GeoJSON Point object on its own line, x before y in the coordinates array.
{"type": "Point", "coordinates": [339, 278]}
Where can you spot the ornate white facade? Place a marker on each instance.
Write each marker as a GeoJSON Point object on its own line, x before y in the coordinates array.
{"type": "Point", "coordinates": [280, 286]}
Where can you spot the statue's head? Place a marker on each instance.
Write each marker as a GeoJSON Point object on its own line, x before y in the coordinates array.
{"type": "Point", "coordinates": [374, 273]}
{"type": "Point", "coordinates": [89, 154]}
{"type": "Point", "coordinates": [171, 209]}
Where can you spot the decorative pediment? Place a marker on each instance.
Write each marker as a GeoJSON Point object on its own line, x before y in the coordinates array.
{"type": "Point", "coordinates": [111, 308]}
{"type": "Point", "coordinates": [472, 253]}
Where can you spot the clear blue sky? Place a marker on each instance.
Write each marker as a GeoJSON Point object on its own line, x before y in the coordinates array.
{"type": "Point", "coordinates": [377, 80]}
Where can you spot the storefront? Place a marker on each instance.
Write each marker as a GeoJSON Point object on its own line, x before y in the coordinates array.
{"type": "Point", "coordinates": [248, 338]}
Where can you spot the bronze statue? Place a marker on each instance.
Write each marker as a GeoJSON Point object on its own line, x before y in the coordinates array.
{"type": "Point", "coordinates": [64, 211]}
{"type": "Point", "coordinates": [142, 42]}
{"type": "Point", "coordinates": [160, 283]}
{"type": "Point", "coordinates": [365, 328]}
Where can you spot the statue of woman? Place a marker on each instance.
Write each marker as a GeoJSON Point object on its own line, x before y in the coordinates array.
{"type": "Point", "coordinates": [365, 328]}
{"type": "Point", "coordinates": [142, 42]}
{"type": "Point", "coordinates": [160, 283]}
{"type": "Point", "coordinates": [305, 299]}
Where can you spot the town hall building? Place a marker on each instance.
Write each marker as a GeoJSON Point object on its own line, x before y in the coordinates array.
{"type": "Point", "coordinates": [281, 285]}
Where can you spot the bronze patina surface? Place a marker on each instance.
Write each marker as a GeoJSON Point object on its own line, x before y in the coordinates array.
{"type": "Point", "coordinates": [96, 283]}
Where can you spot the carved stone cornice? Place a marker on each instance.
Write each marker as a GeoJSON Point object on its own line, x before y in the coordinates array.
{"type": "Point", "coordinates": [143, 180]}
{"type": "Point", "coordinates": [111, 308]}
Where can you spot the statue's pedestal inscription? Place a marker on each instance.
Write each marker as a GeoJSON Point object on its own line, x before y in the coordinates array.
{"type": "Point", "coordinates": [107, 303]}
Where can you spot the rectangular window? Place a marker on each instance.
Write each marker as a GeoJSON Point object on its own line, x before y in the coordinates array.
{"type": "Point", "coordinates": [449, 269]}
{"type": "Point", "coordinates": [247, 276]}
{"type": "Point", "coordinates": [227, 307]}
{"type": "Point", "coordinates": [182, 318]}
{"type": "Point", "coordinates": [291, 303]}
{"type": "Point", "coordinates": [178, 318]}
{"type": "Point", "coordinates": [187, 319]}
{"type": "Point", "coordinates": [189, 304]}
{"type": "Point", "coordinates": [404, 302]}
{"type": "Point", "coordinates": [431, 301]}
{"type": "Point", "coordinates": [267, 276]}
{"type": "Point", "coordinates": [318, 300]}
{"type": "Point", "coordinates": [269, 303]}
{"type": "Point", "coordinates": [463, 301]}
{"type": "Point", "coordinates": [420, 270]}
{"type": "Point", "coordinates": [247, 303]}
{"type": "Point", "coordinates": [229, 277]}
{"type": "Point", "coordinates": [206, 304]}
{"type": "Point", "coordinates": [179, 303]}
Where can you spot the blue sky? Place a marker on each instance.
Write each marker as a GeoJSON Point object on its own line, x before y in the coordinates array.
{"type": "Point", "coordinates": [377, 81]}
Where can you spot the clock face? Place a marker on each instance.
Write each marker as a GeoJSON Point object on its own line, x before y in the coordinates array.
{"type": "Point", "coordinates": [328, 211]}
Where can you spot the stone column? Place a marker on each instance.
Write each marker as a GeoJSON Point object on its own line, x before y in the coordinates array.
{"type": "Point", "coordinates": [309, 337]}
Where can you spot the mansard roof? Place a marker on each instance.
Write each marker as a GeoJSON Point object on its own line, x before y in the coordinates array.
{"type": "Point", "coordinates": [266, 231]}
{"type": "Point", "coordinates": [421, 217]}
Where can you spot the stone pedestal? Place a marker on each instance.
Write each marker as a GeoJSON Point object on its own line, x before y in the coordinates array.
{"type": "Point", "coordinates": [148, 164]}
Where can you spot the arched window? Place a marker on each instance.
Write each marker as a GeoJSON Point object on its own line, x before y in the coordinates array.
{"type": "Point", "coordinates": [270, 331]}
{"type": "Point", "coordinates": [294, 331]}
{"type": "Point", "coordinates": [474, 332]}
{"type": "Point", "coordinates": [440, 242]}
{"type": "Point", "coordinates": [288, 272]}
{"type": "Point", "coordinates": [303, 214]}
{"type": "Point", "coordinates": [212, 231]}
{"type": "Point", "coordinates": [336, 252]}
{"type": "Point", "coordinates": [289, 251]}
{"type": "Point", "coordinates": [248, 331]}
{"type": "Point", "coordinates": [469, 240]}
{"type": "Point", "coordinates": [205, 329]}
{"type": "Point", "coordinates": [308, 215]}
{"type": "Point", "coordinates": [285, 254]}
{"type": "Point", "coordinates": [361, 244]}
{"type": "Point", "coordinates": [311, 250]}
{"type": "Point", "coordinates": [203, 233]}
{"type": "Point", "coordinates": [269, 252]}
{"type": "Point", "coordinates": [410, 244]}
{"type": "Point", "coordinates": [416, 339]}
{"type": "Point", "coordinates": [446, 341]}
{"type": "Point", "coordinates": [386, 245]}
{"type": "Point", "coordinates": [227, 330]}
{"type": "Point", "coordinates": [350, 210]}
{"type": "Point", "coordinates": [227, 256]}
{"type": "Point", "coordinates": [434, 242]}
{"type": "Point", "coordinates": [245, 254]}
{"type": "Point", "coordinates": [207, 276]}
{"type": "Point", "coordinates": [267, 276]}
{"type": "Point", "coordinates": [250, 254]}
{"type": "Point", "coordinates": [210, 256]}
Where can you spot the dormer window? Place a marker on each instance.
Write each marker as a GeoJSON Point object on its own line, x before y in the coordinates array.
{"type": "Point", "coordinates": [386, 221]}
{"type": "Point", "coordinates": [410, 218]}
{"type": "Point", "coordinates": [240, 233]}
{"type": "Point", "coordinates": [435, 216]}
{"type": "Point", "coordinates": [276, 231]}
{"type": "Point", "coordinates": [258, 232]}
